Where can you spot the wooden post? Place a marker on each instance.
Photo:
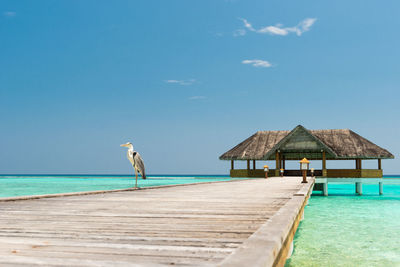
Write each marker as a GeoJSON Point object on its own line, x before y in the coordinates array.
{"type": "Point", "coordinates": [379, 164]}
{"type": "Point", "coordinates": [324, 172]}
{"type": "Point", "coordinates": [248, 164]}
{"type": "Point", "coordinates": [277, 160]}
{"type": "Point", "coordinates": [325, 188]}
{"type": "Point", "coordinates": [304, 177]}
{"type": "Point", "coordinates": [232, 165]}
{"type": "Point", "coordinates": [380, 188]}
{"type": "Point", "coordinates": [358, 164]}
{"type": "Point", "coordinates": [359, 188]}
{"type": "Point", "coordinates": [254, 164]}
{"type": "Point", "coordinates": [283, 163]}
{"type": "Point", "coordinates": [277, 163]}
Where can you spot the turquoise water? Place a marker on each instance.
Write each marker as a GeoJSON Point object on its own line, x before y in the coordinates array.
{"type": "Point", "coordinates": [11, 186]}
{"type": "Point", "coordinates": [344, 229]}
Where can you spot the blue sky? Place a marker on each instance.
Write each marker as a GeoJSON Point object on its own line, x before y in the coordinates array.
{"type": "Point", "coordinates": [187, 80]}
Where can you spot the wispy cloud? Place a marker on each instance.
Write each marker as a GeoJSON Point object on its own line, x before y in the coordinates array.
{"type": "Point", "coordinates": [239, 32]}
{"type": "Point", "coordinates": [247, 25]}
{"type": "Point", "coordinates": [197, 97]}
{"type": "Point", "coordinates": [302, 27]}
{"type": "Point", "coordinates": [9, 14]}
{"type": "Point", "coordinates": [181, 82]}
{"type": "Point", "coordinates": [257, 63]}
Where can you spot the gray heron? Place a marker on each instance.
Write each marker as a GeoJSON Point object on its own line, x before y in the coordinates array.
{"type": "Point", "coordinates": [136, 160]}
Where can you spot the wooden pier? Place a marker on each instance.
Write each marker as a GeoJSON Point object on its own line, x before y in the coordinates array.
{"type": "Point", "coordinates": [241, 223]}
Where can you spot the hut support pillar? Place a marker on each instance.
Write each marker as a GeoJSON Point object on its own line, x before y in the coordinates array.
{"type": "Point", "coordinates": [359, 188]}
{"type": "Point", "coordinates": [324, 171]}
{"type": "Point", "coordinates": [379, 164]}
{"type": "Point", "coordinates": [254, 164]}
{"type": "Point", "coordinates": [283, 162]}
{"type": "Point", "coordinates": [248, 164]}
{"type": "Point", "coordinates": [325, 188]}
{"type": "Point", "coordinates": [358, 164]}
{"type": "Point", "coordinates": [277, 163]}
{"type": "Point", "coordinates": [232, 165]}
{"type": "Point", "coordinates": [380, 188]}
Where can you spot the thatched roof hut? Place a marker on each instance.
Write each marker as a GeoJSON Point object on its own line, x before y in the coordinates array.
{"type": "Point", "coordinates": [300, 143]}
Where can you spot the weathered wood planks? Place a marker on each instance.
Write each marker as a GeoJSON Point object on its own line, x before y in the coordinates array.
{"type": "Point", "coordinates": [185, 225]}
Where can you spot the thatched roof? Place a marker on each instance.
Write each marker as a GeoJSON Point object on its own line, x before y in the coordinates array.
{"type": "Point", "coordinates": [300, 142]}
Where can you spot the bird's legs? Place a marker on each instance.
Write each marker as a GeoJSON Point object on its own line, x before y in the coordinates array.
{"type": "Point", "coordinates": [136, 177]}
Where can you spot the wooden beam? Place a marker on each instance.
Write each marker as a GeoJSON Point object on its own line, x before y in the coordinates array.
{"type": "Point", "coordinates": [324, 171]}
{"type": "Point", "coordinates": [248, 164]}
{"type": "Point", "coordinates": [277, 163]}
{"type": "Point", "coordinates": [232, 165]}
{"type": "Point", "coordinates": [358, 164]}
{"type": "Point", "coordinates": [283, 163]}
{"type": "Point", "coordinates": [254, 164]}
{"type": "Point", "coordinates": [379, 164]}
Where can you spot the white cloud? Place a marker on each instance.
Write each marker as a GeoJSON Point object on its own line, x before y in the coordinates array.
{"type": "Point", "coordinates": [197, 97]}
{"type": "Point", "coordinates": [9, 14]}
{"type": "Point", "coordinates": [274, 30]}
{"type": "Point", "coordinates": [247, 25]}
{"type": "Point", "coordinates": [257, 63]}
{"type": "Point", "coordinates": [181, 82]}
{"type": "Point", "coordinates": [278, 29]}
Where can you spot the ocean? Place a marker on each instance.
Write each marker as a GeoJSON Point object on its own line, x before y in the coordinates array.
{"type": "Point", "coordinates": [22, 185]}
{"type": "Point", "coordinates": [345, 229]}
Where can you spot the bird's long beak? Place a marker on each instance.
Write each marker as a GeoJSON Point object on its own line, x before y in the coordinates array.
{"type": "Point", "coordinates": [124, 145]}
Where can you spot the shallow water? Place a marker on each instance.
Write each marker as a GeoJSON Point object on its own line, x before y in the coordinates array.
{"type": "Point", "coordinates": [11, 186]}
{"type": "Point", "coordinates": [345, 229]}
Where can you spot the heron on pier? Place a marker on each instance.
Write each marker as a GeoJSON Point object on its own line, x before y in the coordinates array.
{"type": "Point", "coordinates": [136, 160]}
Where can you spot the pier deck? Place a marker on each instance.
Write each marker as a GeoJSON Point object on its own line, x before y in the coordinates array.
{"type": "Point", "coordinates": [229, 223]}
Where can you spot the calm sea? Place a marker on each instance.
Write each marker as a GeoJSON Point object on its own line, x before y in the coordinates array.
{"type": "Point", "coordinates": [22, 185]}
{"type": "Point", "coordinates": [345, 229]}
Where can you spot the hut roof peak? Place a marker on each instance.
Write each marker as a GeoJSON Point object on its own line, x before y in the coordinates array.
{"type": "Point", "coordinates": [338, 143]}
